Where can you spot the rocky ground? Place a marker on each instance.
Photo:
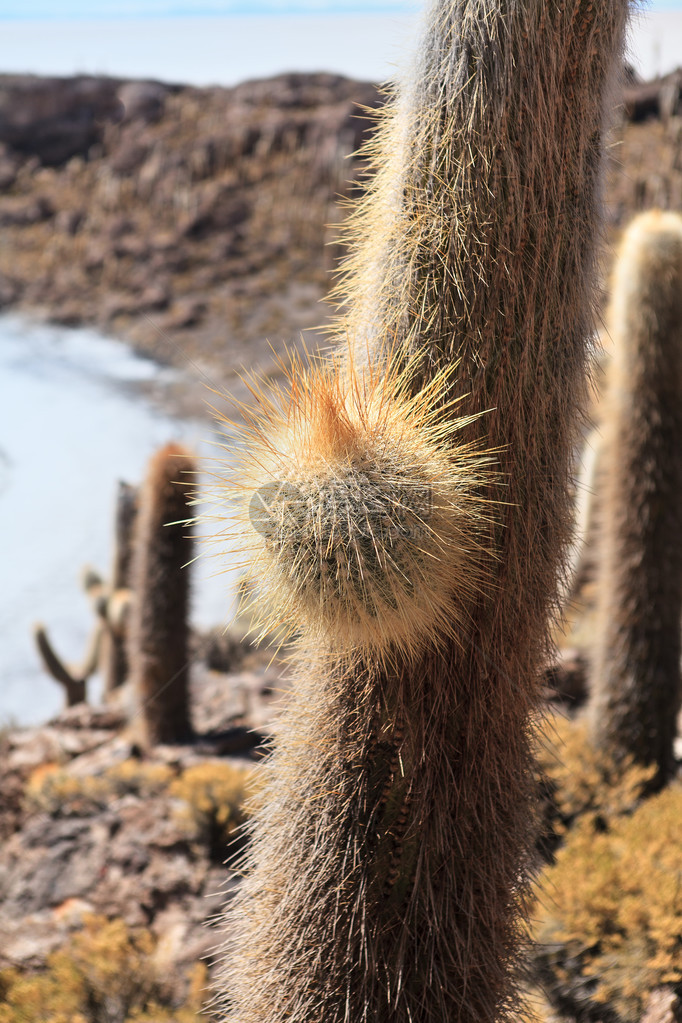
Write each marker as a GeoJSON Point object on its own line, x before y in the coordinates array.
{"type": "Point", "coordinates": [197, 224]}
{"type": "Point", "coordinates": [90, 828]}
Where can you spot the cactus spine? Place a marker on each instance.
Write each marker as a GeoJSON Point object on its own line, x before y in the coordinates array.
{"type": "Point", "coordinates": [158, 650]}
{"type": "Point", "coordinates": [635, 677]}
{"type": "Point", "coordinates": [388, 868]}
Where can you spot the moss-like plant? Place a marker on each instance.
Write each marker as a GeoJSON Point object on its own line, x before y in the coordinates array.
{"type": "Point", "coordinates": [635, 678]}
{"type": "Point", "coordinates": [389, 865]}
{"type": "Point", "coordinates": [609, 918]}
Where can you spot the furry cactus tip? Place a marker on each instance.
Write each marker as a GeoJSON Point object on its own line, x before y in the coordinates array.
{"type": "Point", "coordinates": [359, 510]}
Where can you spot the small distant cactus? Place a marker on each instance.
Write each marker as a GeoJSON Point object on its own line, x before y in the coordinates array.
{"type": "Point", "coordinates": [636, 688]}
{"type": "Point", "coordinates": [158, 631]}
{"type": "Point", "coordinates": [113, 659]}
{"type": "Point", "coordinates": [73, 677]}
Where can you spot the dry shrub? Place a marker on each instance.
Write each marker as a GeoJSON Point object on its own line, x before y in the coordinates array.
{"type": "Point", "coordinates": [54, 791]}
{"type": "Point", "coordinates": [144, 779]}
{"type": "Point", "coordinates": [584, 779]}
{"type": "Point", "coordinates": [57, 792]}
{"type": "Point", "coordinates": [216, 798]}
{"type": "Point", "coordinates": [611, 919]}
{"type": "Point", "coordinates": [105, 974]}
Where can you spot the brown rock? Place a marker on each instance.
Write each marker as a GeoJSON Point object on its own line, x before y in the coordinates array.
{"type": "Point", "coordinates": [69, 221]}
{"type": "Point", "coordinates": [143, 101]}
{"type": "Point", "coordinates": [55, 118]}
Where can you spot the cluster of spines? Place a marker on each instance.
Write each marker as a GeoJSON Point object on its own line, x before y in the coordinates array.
{"type": "Point", "coordinates": [158, 634]}
{"type": "Point", "coordinates": [359, 512]}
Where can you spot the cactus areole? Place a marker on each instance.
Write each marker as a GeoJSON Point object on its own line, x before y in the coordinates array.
{"type": "Point", "coordinates": [389, 862]}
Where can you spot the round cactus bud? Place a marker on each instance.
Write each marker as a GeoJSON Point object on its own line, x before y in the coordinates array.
{"type": "Point", "coordinates": [362, 512]}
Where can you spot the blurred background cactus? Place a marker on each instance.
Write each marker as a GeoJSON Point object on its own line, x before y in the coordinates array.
{"type": "Point", "coordinates": [158, 634]}
{"type": "Point", "coordinates": [114, 658]}
{"type": "Point", "coordinates": [389, 866]}
{"type": "Point", "coordinates": [636, 687]}
{"type": "Point", "coordinates": [75, 677]}
{"type": "Point", "coordinates": [110, 602]}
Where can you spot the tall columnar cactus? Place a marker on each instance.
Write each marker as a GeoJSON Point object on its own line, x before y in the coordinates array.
{"type": "Point", "coordinates": [389, 863]}
{"type": "Point", "coordinates": [158, 632]}
{"type": "Point", "coordinates": [635, 677]}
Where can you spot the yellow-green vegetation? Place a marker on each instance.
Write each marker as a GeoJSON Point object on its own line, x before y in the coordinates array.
{"type": "Point", "coordinates": [105, 974]}
{"type": "Point", "coordinates": [54, 790]}
{"type": "Point", "coordinates": [216, 798]}
{"type": "Point", "coordinates": [585, 779]}
{"type": "Point", "coordinates": [145, 779]}
{"type": "Point", "coordinates": [610, 909]}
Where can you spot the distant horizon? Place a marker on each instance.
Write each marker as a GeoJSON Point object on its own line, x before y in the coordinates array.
{"type": "Point", "coordinates": [227, 49]}
{"type": "Point", "coordinates": [35, 10]}
{"type": "Point", "coordinates": [82, 10]}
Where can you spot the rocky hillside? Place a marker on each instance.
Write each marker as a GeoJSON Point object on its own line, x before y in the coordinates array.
{"type": "Point", "coordinates": [195, 223]}
{"type": "Point", "coordinates": [192, 222]}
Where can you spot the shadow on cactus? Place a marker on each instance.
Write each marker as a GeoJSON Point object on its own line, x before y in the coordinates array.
{"type": "Point", "coordinates": [357, 508]}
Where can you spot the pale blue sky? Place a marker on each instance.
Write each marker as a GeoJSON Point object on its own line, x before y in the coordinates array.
{"type": "Point", "coordinates": [67, 9]}
{"type": "Point", "coordinates": [64, 9]}
{"type": "Point", "coordinates": [222, 42]}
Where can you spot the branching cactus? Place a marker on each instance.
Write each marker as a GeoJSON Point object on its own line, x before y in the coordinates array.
{"type": "Point", "coordinates": [390, 859]}
{"type": "Point", "coordinates": [636, 684]}
{"type": "Point", "coordinates": [158, 632]}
